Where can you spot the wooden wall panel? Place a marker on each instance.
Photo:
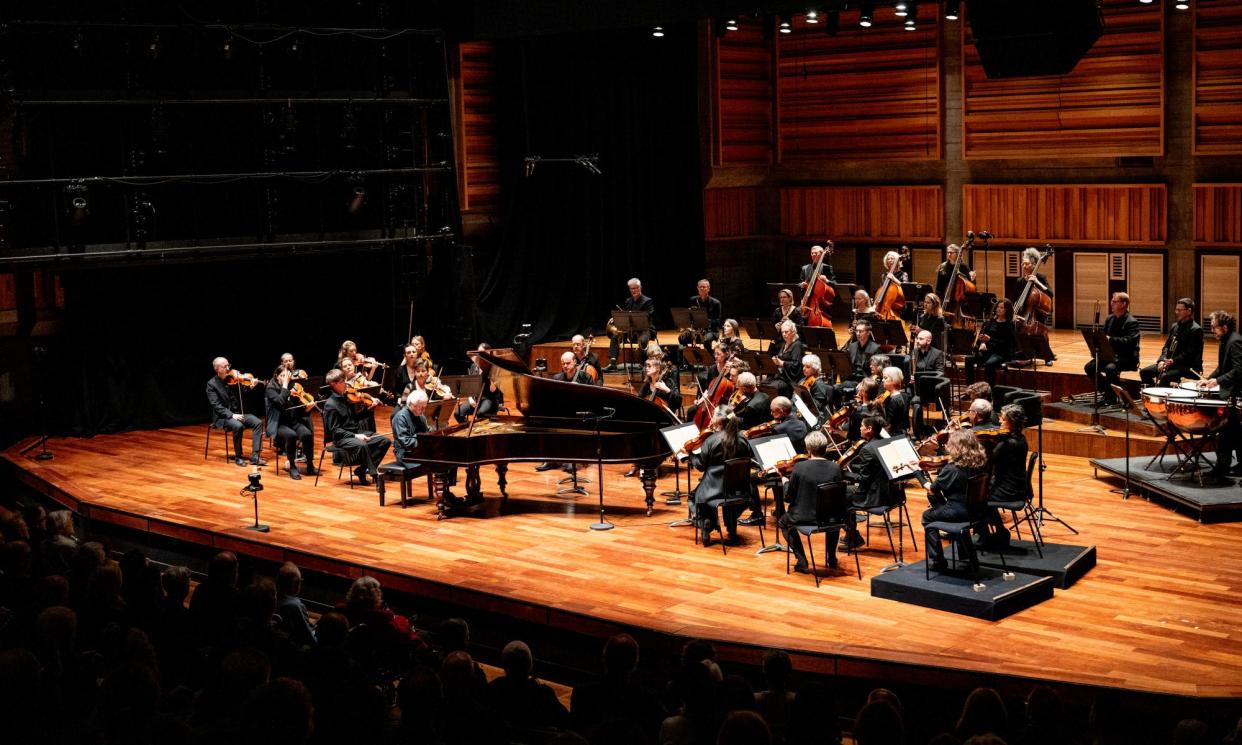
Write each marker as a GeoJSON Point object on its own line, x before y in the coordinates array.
{"type": "Point", "coordinates": [730, 213]}
{"type": "Point", "coordinates": [1218, 215]}
{"type": "Point", "coordinates": [1112, 104]}
{"type": "Point", "coordinates": [864, 93]}
{"type": "Point", "coordinates": [1079, 215]}
{"type": "Point", "coordinates": [1218, 77]}
{"type": "Point", "coordinates": [742, 93]}
{"type": "Point", "coordinates": [864, 214]}
{"type": "Point", "coordinates": [477, 154]}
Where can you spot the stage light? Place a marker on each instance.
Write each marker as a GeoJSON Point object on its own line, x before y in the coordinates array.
{"type": "Point", "coordinates": [357, 194]}
{"type": "Point", "coordinates": [658, 32]}
{"type": "Point", "coordinates": [912, 19]}
{"type": "Point", "coordinates": [1182, 4]}
{"type": "Point", "coordinates": [731, 24]}
{"type": "Point", "coordinates": [812, 16]}
{"type": "Point", "coordinates": [900, 10]}
{"type": "Point", "coordinates": [1147, 2]}
{"type": "Point", "coordinates": [785, 28]}
{"type": "Point", "coordinates": [227, 49]}
{"type": "Point", "coordinates": [952, 9]}
{"type": "Point", "coordinates": [79, 209]}
{"type": "Point", "coordinates": [866, 14]}
{"type": "Point", "coordinates": [154, 47]}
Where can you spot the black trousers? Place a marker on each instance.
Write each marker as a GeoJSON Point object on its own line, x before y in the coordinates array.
{"type": "Point", "coordinates": [287, 438]}
{"type": "Point", "coordinates": [793, 539]}
{"type": "Point", "coordinates": [614, 345]}
{"type": "Point", "coordinates": [1110, 375]}
{"type": "Point", "coordinates": [365, 455]}
{"type": "Point", "coordinates": [250, 422]}
{"type": "Point", "coordinates": [989, 361]}
{"type": "Point", "coordinates": [1151, 376]}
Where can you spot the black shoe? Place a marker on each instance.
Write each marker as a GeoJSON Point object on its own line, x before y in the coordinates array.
{"type": "Point", "coordinates": [612, 366]}
{"type": "Point", "coordinates": [547, 466]}
{"type": "Point", "coordinates": [802, 567]}
{"type": "Point", "coordinates": [240, 461]}
{"type": "Point", "coordinates": [310, 470]}
{"type": "Point", "coordinates": [851, 542]}
{"type": "Point", "coordinates": [731, 539]}
{"type": "Point", "coordinates": [362, 476]}
{"type": "Point", "coordinates": [294, 474]}
{"type": "Point", "coordinates": [938, 566]}
{"type": "Point", "coordinates": [258, 462]}
{"type": "Point", "coordinates": [752, 520]}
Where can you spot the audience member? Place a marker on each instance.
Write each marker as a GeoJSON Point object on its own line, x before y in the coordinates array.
{"type": "Point", "coordinates": [520, 699]}
{"type": "Point", "coordinates": [744, 728]}
{"type": "Point", "coordinates": [879, 723]}
{"type": "Point", "coordinates": [983, 713]}
{"type": "Point", "coordinates": [214, 602]}
{"type": "Point", "coordinates": [294, 620]}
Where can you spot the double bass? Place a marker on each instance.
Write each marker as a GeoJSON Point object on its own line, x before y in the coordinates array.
{"type": "Point", "coordinates": [890, 299]}
{"type": "Point", "coordinates": [959, 284]}
{"type": "Point", "coordinates": [1033, 303]}
{"type": "Point", "coordinates": [817, 301]}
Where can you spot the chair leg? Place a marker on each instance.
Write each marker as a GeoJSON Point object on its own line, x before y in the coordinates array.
{"type": "Point", "coordinates": [207, 444]}
{"type": "Point", "coordinates": [1017, 528]}
{"type": "Point", "coordinates": [905, 510]}
{"type": "Point", "coordinates": [319, 469]}
{"type": "Point", "coordinates": [810, 547]}
{"type": "Point", "coordinates": [888, 527]}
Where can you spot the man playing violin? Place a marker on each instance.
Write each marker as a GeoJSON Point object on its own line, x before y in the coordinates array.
{"type": "Point", "coordinates": [288, 418]}
{"type": "Point", "coordinates": [813, 380]}
{"type": "Point", "coordinates": [226, 405]}
{"type": "Point", "coordinates": [749, 403]}
{"type": "Point", "coordinates": [800, 497]}
{"type": "Point", "coordinates": [349, 433]}
{"type": "Point", "coordinates": [869, 484]}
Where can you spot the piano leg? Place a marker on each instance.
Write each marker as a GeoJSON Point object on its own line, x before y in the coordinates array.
{"type": "Point", "coordinates": [474, 485]}
{"type": "Point", "coordinates": [648, 476]}
{"type": "Point", "coordinates": [502, 472]}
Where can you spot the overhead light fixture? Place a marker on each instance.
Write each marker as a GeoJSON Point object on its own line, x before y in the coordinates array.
{"type": "Point", "coordinates": [952, 10]}
{"type": "Point", "coordinates": [658, 32]}
{"type": "Point", "coordinates": [812, 16]}
{"type": "Point", "coordinates": [1147, 2]}
{"type": "Point", "coordinates": [79, 208]}
{"type": "Point", "coordinates": [731, 24]}
{"type": "Point", "coordinates": [1182, 4]}
{"type": "Point", "coordinates": [900, 10]}
{"type": "Point", "coordinates": [866, 12]}
{"type": "Point", "coordinates": [785, 26]}
{"type": "Point", "coordinates": [912, 18]}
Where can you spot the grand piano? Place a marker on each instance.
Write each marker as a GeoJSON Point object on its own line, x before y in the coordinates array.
{"type": "Point", "coordinates": [550, 428]}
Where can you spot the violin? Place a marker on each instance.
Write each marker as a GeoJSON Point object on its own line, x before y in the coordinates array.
{"type": "Point", "coordinates": [841, 415]}
{"type": "Point", "coordinates": [761, 430]}
{"type": "Point", "coordinates": [851, 453]}
{"type": "Point", "coordinates": [786, 466]}
{"type": "Point", "coordinates": [359, 382]}
{"type": "Point", "coordinates": [890, 299]}
{"type": "Point", "coordinates": [358, 398]}
{"type": "Point", "coordinates": [245, 380]}
{"type": "Point", "coordinates": [370, 362]}
{"type": "Point", "coordinates": [301, 394]}
{"type": "Point", "coordinates": [697, 441]}
{"type": "Point", "coordinates": [817, 300]}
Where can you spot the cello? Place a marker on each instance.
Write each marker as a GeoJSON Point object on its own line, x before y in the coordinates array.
{"type": "Point", "coordinates": [959, 284]}
{"type": "Point", "coordinates": [720, 390]}
{"type": "Point", "coordinates": [890, 299]}
{"type": "Point", "coordinates": [1033, 302]}
{"type": "Point", "coordinates": [817, 301]}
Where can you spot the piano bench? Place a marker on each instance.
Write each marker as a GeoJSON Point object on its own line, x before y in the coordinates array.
{"type": "Point", "coordinates": [405, 473]}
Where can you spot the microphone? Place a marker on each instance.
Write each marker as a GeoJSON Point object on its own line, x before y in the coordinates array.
{"type": "Point", "coordinates": [610, 411]}
{"type": "Point", "coordinates": [985, 235]}
{"type": "Point", "coordinates": [970, 234]}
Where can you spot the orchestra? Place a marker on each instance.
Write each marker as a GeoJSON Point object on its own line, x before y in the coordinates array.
{"type": "Point", "coordinates": [733, 406]}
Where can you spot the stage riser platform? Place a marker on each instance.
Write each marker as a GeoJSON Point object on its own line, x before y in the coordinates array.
{"type": "Point", "coordinates": [1211, 502]}
{"type": "Point", "coordinates": [954, 592]}
{"type": "Point", "coordinates": [1063, 563]}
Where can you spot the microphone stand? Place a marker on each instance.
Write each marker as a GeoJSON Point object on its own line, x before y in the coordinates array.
{"type": "Point", "coordinates": [603, 523]}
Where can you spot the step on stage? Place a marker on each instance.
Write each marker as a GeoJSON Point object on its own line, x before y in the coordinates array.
{"type": "Point", "coordinates": [1158, 614]}
{"type": "Point", "coordinates": [1210, 501]}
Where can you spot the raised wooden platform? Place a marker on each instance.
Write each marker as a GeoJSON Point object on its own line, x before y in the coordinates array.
{"type": "Point", "coordinates": [1159, 614]}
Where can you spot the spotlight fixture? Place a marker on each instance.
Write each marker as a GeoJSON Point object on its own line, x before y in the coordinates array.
{"type": "Point", "coordinates": [912, 18]}
{"type": "Point", "coordinates": [900, 10]}
{"type": "Point", "coordinates": [1147, 2]}
{"type": "Point", "coordinates": [866, 12]}
{"type": "Point", "coordinates": [731, 24]}
{"type": "Point", "coordinates": [812, 16]}
{"type": "Point", "coordinates": [1182, 4]}
{"type": "Point", "coordinates": [658, 32]}
{"type": "Point", "coordinates": [79, 208]}
{"type": "Point", "coordinates": [154, 47]}
{"type": "Point", "coordinates": [952, 10]}
{"type": "Point", "coordinates": [226, 50]}
{"type": "Point", "coordinates": [785, 27]}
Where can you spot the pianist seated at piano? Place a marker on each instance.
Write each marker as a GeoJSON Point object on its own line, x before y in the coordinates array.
{"type": "Point", "coordinates": [724, 444]}
{"type": "Point", "coordinates": [408, 423]}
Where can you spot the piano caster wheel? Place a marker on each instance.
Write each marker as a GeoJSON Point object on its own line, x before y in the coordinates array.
{"type": "Point", "coordinates": [649, 511]}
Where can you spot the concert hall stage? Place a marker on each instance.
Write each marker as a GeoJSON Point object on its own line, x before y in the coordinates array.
{"type": "Point", "coordinates": [1159, 613]}
{"type": "Point", "coordinates": [1210, 501]}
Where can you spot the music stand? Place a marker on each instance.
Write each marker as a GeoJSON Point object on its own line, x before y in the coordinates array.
{"type": "Point", "coordinates": [758, 329]}
{"type": "Point", "coordinates": [439, 412]}
{"type": "Point", "coordinates": [1127, 405]}
{"type": "Point", "coordinates": [768, 451]}
{"type": "Point", "coordinates": [900, 461]}
{"type": "Point", "coordinates": [690, 318]}
{"type": "Point", "coordinates": [1101, 353]}
{"type": "Point", "coordinates": [676, 436]}
{"type": "Point", "coordinates": [463, 386]}
{"type": "Point", "coordinates": [818, 337]}
{"type": "Point", "coordinates": [840, 363]}
{"type": "Point", "coordinates": [1032, 404]}
{"type": "Point", "coordinates": [1034, 348]}
{"type": "Point", "coordinates": [698, 356]}
{"type": "Point", "coordinates": [958, 341]}
{"type": "Point", "coordinates": [631, 324]}
{"type": "Point", "coordinates": [890, 332]}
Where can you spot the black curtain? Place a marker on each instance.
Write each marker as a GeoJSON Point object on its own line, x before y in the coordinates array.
{"type": "Point", "coordinates": [572, 238]}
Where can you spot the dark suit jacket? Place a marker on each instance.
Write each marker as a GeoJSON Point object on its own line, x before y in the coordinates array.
{"type": "Point", "coordinates": [803, 485]}
{"type": "Point", "coordinates": [1004, 341]}
{"type": "Point", "coordinates": [944, 271]}
{"type": "Point", "coordinates": [950, 484]}
{"type": "Point", "coordinates": [1123, 334]}
{"type": "Point", "coordinates": [1009, 468]}
{"type": "Point", "coordinates": [711, 461]}
{"type": "Point", "coordinates": [277, 399]}
{"type": "Point", "coordinates": [405, 431]}
{"type": "Point", "coordinates": [757, 411]}
{"type": "Point", "coordinates": [1228, 370]}
{"type": "Point", "coordinates": [860, 356]}
{"type": "Point", "coordinates": [897, 413]}
{"type": "Point", "coordinates": [795, 429]}
{"type": "Point", "coordinates": [1184, 346]}
{"type": "Point", "coordinates": [809, 269]}
{"type": "Point", "coordinates": [873, 483]}
{"type": "Point", "coordinates": [791, 365]}
{"type": "Point", "coordinates": [223, 398]}
{"type": "Point", "coordinates": [581, 376]}
{"type": "Point", "coordinates": [643, 303]}
{"type": "Point", "coordinates": [340, 420]}
{"type": "Point", "coordinates": [715, 311]}
{"type": "Point", "coordinates": [930, 361]}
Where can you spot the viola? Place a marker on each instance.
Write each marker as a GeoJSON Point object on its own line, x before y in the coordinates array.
{"type": "Point", "coordinates": [786, 466]}
{"type": "Point", "coordinates": [851, 453]}
{"type": "Point", "coordinates": [817, 300]}
{"type": "Point", "coordinates": [301, 394]}
{"type": "Point", "coordinates": [358, 398]}
{"type": "Point", "coordinates": [697, 441]}
{"type": "Point", "coordinates": [245, 380]}
{"type": "Point", "coordinates": [761, 430]}
{"type": "Point", "coordinates": [890, 299]}
{"type": "Point", "coordinates": [841, 415]}
{"type": "Point", "coordinates": [721, 389]}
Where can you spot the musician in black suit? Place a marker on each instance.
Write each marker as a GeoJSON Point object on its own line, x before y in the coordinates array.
{"type": "Point", "coordinates": [408, 422]}
{"type": "Point", "coordinates": [715, 311]}
{"type": "Point", "coordinates": [1182, 351]}
{"type": "Point", "coordinates": [570, 372]}
{"type": "Point", "coordinates": [948, 493]}
{"type": "Point", "coordinates": [787, 424]}
{"type": "Point", "coordinates": [753, 404]}
{"type": "Point", "coordinates": [226, 406]}
{"type": "Point", "coordinates": [786, 310]}
{"type": "Point", "coordinates": [1122, 330]}
{"type": "Point", "coordinates": [897, 405]}
{"type": "Point", "coordinates": [288, 421]}
{"type": "Point", "coordinates": [788, 358]}
{"type": "Point", "coordinates": [491, 398]}
{"type": "Point", "coordinates": [808, 269]}
{"type": "Point", "coordinates": [928, 373]}
{"type": "Point", "coordinates": [1031, 258]}
{"type": "Point", "coordinates": [813, 380]}
{"type": "Point", "coordinates": [866, 403]}
{"type": "Point", "coordinates": [945, 270]}
{"type": "Point", "coordinates": [636, 302]}
{"type": "Point", "coordinates": [869, 484]}
{"type": "Point", "coordinates": [725, 443]}
{"type": "Point", "coordinates": [1228, 376]}
{"type": "Point", "coordinates": [345, 426]}
{"type": "Point", "coordinates": [800, 499]}
{"type": "Point", "coordinates": [587, 359]}
{"type": "Point", "coordinates": [1008, 465]}
{"type": "Point", "coordinates": [859, 351]}
{"type": "Point", "coordinates": [998, 342]}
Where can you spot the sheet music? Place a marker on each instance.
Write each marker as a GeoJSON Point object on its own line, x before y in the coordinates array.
{"type": "Point", "coordinates": [678, 435]}
{"type": "Point", "coordinates": [900, 459]}
{"type": "Point", "coordinates": [769, 450]}
{"type": "Point", "coordinates": [805, 411]}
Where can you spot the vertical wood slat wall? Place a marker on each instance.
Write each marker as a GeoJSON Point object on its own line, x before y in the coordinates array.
{"type": "Point", "coordinates": [1218, 77]}
{"type": "Point", "coordinates": [730, 213]}
{"type": "Point", "coordinates": [1218, 215]}
{"type": "Point", "coordinates": [864, 214]}
{"type": "Point", "coordinates": [478, 163]}
{"type": "Point", "coordinates": [742, 97]}
{"type": "Point", "coordinates": [1078, 215]}
{"type": "Point", "coordinates": [1112, 104]}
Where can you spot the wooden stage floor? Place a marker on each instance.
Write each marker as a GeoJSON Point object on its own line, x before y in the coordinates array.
{"type": "Point", "coordinates": [1158, 614]}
